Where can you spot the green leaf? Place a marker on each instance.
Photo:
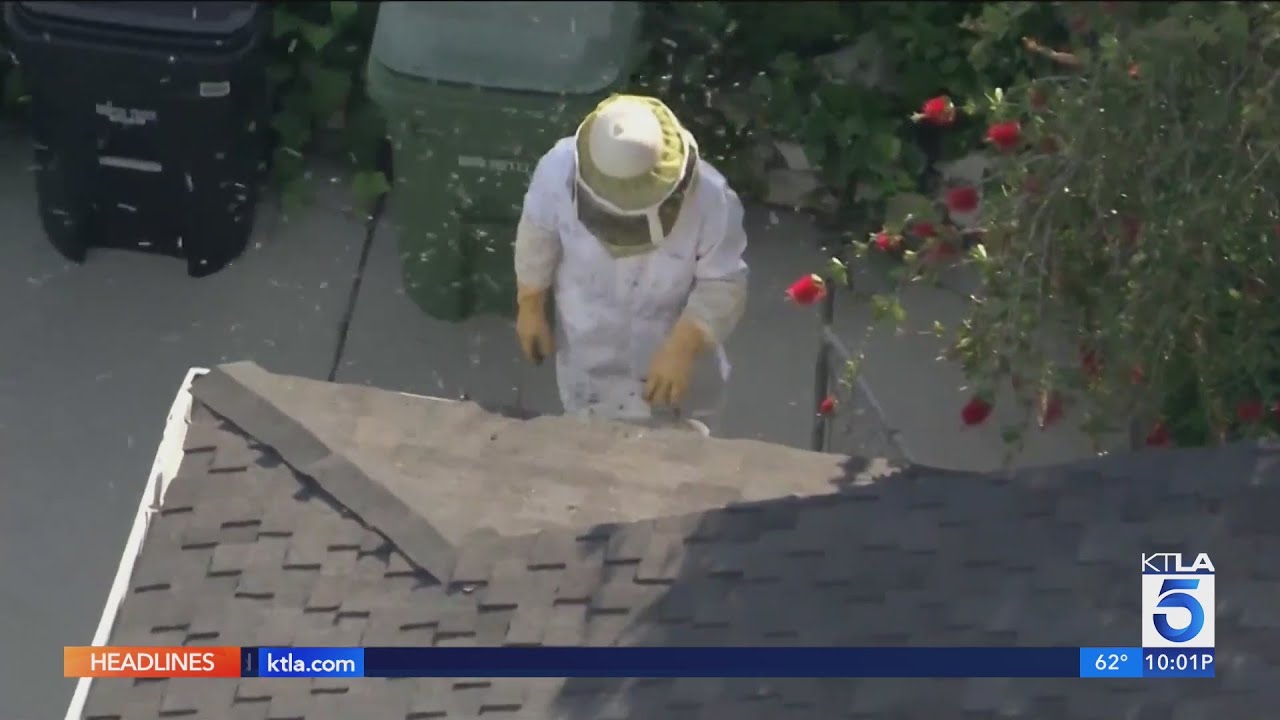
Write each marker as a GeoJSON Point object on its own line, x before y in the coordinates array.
{"type": "Point", "coordinates": [368, 186]}
{"type": "Point", "coordinates": [294, 130]}
{"type": "Point", "coordinates": [317, 36]}
{"type": "Point", "coordinates": [296, 101]}
{"type": "Point", "coordinates": [293, 194]}
{"type": "Point", "coordinates": [897, 312]}
{"type": "Point", "coordinates": [278, 73]}
{"type": "Point", "coordinates": [888, 147]}
{"type": "Point", "coordinates": [787, 66]}
{"type": "Point", "coordinates": [855, 125]}
{"type": "Point", "coordinates": [1204, 33]}
{"type": "Point", "coordinates": [761, 86]}
{"type": "Point", "coordinates": [287, 166]}
{"type": "Point", "coordinates": [838, 271]}
{"type": "Point", "coordinates": [342, 11]}
{"type": "Point", "coordinates": [816, 152]}
{"type": "Point", "coordinates": [15, 90]}
{"type": "Point", "coordinates": [851, 369]}
{"type": "Point", "coordinates": [329, 89]}
{"type": "Point", "coordinates": [845, 132]}
{"type": "Point", "coordinates": [284, 22]}
{"type": "Point", "coordinates": [905, 207]}
{"type": "Point", "coordinates": [885, 307]}
{"type": "Point", "coordinates": [1233, 23]}
{"type": "Point", "coordinates": [365, 129]}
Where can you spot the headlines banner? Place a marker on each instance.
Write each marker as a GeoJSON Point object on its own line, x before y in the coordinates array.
{"type": "Point", "coordinates": [647, 662]}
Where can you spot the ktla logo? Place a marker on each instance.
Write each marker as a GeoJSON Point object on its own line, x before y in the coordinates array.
{"type": "Point", "coordinates": [1177, 601]}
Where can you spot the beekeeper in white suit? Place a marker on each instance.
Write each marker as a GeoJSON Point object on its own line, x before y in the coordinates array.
{"type": "Point", "coordinates": [641, 243]}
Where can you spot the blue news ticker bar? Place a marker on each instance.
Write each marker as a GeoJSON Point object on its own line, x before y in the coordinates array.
{"type": "Point", "coordinates": [805, 662]}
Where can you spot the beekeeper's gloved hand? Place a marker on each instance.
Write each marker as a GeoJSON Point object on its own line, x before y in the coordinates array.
{"type": "Point", "coordinates": [672, 366]}
{"type": "Point", "coordinates": [532, 325]}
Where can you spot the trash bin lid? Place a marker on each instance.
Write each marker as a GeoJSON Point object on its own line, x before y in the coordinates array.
{"type": "Point", "coordinates": [197, 18]}
{"type": "Point", "coordinates": [553, 47]}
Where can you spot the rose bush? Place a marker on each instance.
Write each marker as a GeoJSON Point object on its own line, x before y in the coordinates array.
{"type": "Point", "coordinates": [805, 73]}
{"type": "Point", "coordinates": [1130, 224]}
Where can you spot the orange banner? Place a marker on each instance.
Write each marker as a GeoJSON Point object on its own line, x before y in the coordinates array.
{"type": "Point", "coordinates": [151, 662]}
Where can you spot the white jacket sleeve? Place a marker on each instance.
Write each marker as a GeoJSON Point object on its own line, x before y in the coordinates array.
{"type": "Point", "coordinates": [719, 295]}
{"type": "Point", "coordinates": [537, 244]}
{"type": "Point", "coordinates": [537, 255]}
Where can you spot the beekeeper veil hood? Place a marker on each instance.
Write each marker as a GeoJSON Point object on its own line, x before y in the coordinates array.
{"type": "Point", "coordinates": [635, 164]}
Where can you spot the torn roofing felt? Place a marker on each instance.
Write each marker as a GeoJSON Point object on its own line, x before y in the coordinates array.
{"type": "Point", "coordinates": [430, 473]}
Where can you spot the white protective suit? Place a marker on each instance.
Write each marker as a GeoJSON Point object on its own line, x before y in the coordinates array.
{"type": "Point", "coordinates": [614, 313]}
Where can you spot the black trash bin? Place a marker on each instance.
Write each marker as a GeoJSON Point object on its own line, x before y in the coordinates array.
{"type": "Point", "coordinates": [150, 122]}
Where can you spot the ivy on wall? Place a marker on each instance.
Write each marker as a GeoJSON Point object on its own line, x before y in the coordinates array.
{"type": "Point", "coordinates": [318, 53]}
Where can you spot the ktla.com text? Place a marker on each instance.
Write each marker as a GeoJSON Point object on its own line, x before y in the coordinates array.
{"type": "Point", "coordinates": [151, 662]}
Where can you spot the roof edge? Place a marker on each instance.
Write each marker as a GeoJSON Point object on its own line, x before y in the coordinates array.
{"type": "Point", "coordinates": [163, 469]}
{"type": "Point", "coordinates": [225, 392]}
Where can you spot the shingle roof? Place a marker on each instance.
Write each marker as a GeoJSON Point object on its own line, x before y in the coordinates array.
{"type": "Point", "coordinates": [315, 514]}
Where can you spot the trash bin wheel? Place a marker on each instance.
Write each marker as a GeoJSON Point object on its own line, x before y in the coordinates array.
{"type": "Point", "coordinates": [65, 217]}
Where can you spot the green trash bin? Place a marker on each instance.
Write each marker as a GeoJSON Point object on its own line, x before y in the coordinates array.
{"type": "Point", "coordinates": [474, 93]}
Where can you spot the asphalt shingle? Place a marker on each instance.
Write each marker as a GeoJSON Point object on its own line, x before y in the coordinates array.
{"type": "Point", "coordinates": [280, 529]}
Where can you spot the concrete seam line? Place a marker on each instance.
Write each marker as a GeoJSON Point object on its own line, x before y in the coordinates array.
{"type": "Point", "coordinates": [838, 345]}
{"type": "Point", "coordinates": [163, 469]}
{"type": "Point", "coordinates": [895, 436]}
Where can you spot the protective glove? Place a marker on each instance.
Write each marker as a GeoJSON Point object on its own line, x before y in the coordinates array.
{"type": "Point", "coordinates": [532, 327]}
{"type": "Point", "coordinates": [672, 366]}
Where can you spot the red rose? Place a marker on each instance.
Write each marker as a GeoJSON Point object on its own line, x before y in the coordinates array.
{"type": "Point", "coordinates": [924, 230]}
{"type": "Point", "coordinates": [1005, 136]}
{"type": "Point", "coordinates": [1138, 375]}
{"type": "Point", "coordinates": [1039, 98]}
{"type": "Point", "coordinates": [1250, 411]}
{"type": "Point", "coordinates": [1134, 71]}
{"type": "Point", "coordinates": [1132, 228]}
{"type": "Point", "coordinates": [975, 412]}
{"type": "Point", "coordinates": [807, 290]}
{"type": "Point", "coordinates": [885, 242]}
{"type": "Point", "coordinates": [939, 111]}
{"type": "Point", "coordinates": [1159, 435]}
{"type": "Point", "coordinates": [940, 252]}
{"type": "Point", "coordinates": [1032, 185]}
{"type": "Point", "coordinates": [1050, 408]}
{"type": "Point", "coordinates": [1090, 363]}
{"type": "Point", "coordinates": [961, 199]}
{"type": "Point", "coordinates": [827, 406]}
